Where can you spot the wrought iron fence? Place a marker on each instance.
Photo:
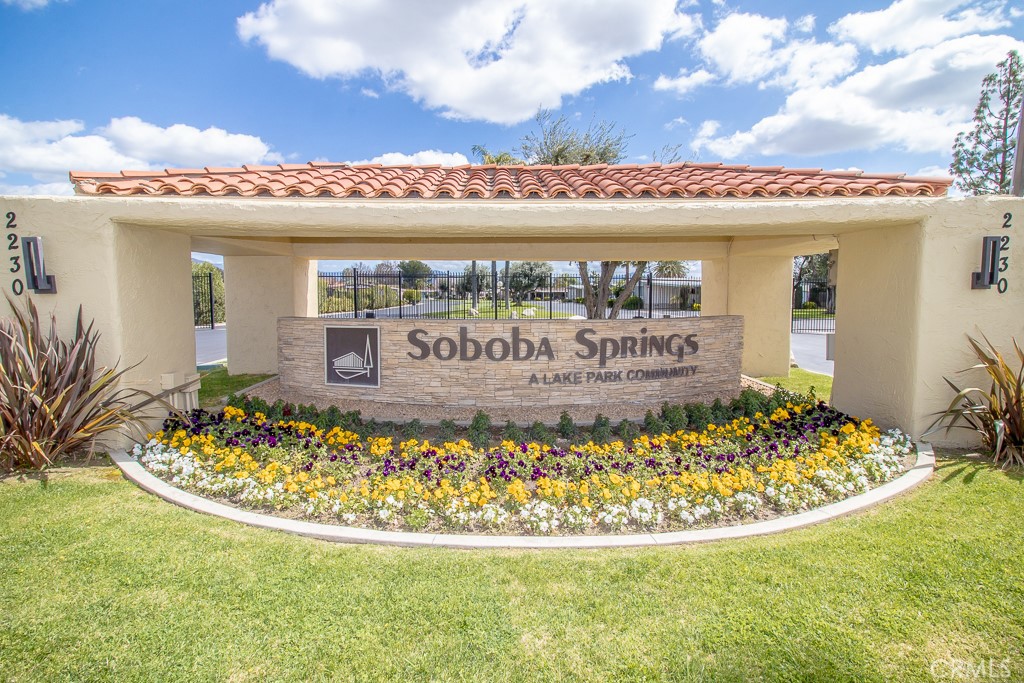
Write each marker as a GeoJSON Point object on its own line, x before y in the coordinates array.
{"type": "Point", "coordinates": [450, 295]}
{"type": "Point", "coordinates": [202, 300]}
{"type": "Point", "coordinates": [814, 306]}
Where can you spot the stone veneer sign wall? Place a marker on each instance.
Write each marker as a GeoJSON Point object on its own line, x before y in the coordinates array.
{"type": "Point", "coordinates": [512, 362]}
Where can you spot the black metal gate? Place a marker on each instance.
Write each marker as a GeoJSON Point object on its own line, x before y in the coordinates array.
{"type": "Point", "coordinates": [202, 300]}
{"type": "Point", "coordinates": [814, 306]}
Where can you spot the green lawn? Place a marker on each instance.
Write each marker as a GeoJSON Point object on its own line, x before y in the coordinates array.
{"type": "Point", "coordinates": [804, 313]}
{"type": "Point", "coordinates": [217, 384]}
{"type": "Point", "coordinates": [801, 381]}
{"type": "Point", "coordinates": [486, 310]}
{"type": "Point", "coordinates": [101, 581]}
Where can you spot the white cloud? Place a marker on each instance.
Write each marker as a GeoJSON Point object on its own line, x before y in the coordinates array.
{"type": "Point", "coordinates": [64, 188]}
{"type": "Point", "coordinates": [916, 103]}
{"type": "Point", "coordinates": [740, 46]}
{"type": "Point", "coordinates": [186, 145]}
{"type": "Point", "coordinates": [493, 60]}
{"type": "Point", "coordinates": [932, 172]}
{"type": "Point", "coordinates": [805, 63]}
{"type": "Point", "coordinates": [675, 123]}
{"type": "Point", "coordinates": [425, 157]}
{"type": "Point", "coordinates": [28, 5]}
{"type": "Point", "coordinates": [368, 92]}
{"type": "Point", "coordinates": [907, 25]}
{"type": "Point", "coordinates": [684, 82]}
{"type": "Point", "coordinates": [47, 150]}
{"type": "Point", "coordinates": [805, 24]}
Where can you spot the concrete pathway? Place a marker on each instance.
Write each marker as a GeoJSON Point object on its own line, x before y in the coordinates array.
{"type": "Point", "coordinates": [211, 345]}
{"type": "Point", "coordinates": [809, 351]}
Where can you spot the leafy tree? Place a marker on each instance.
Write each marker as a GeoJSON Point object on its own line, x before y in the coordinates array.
{"type": "Point", "coordinates": [527, 276]}
{"type": "Point", "coordinates": [597, 290]}
{"type": "Point", "coordinates": [499, 159]}
{"type": "Point", "coordinates": [204, 268]}
{"type": "Point", "coordinates": [414, 273]}
{"type": "Point", "coordinates": [983, 157]}
{"type": "Point", "coordinates": [810, 267]}
{"type": "Point", "coordinates": [483, 279]}
{"type": "Point", "coordinates": [386, 268]}
{"type": "Point", "coordinates": [558, 143]}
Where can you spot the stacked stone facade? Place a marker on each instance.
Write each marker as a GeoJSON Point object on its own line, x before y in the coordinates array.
{"type": "Point", "coordinates": [708, 367]}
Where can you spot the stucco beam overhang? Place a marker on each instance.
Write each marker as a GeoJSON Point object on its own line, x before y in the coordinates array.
{"type": "Point", "coordinates": [782, 246]}
{"type": "Point", "coordinates": [525, 249]}
{"type": "Point", "coordinates": [626, 220]}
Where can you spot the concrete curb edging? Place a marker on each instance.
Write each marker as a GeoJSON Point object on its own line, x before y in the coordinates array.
{"type": "Point", "coordinates": [136, 473]}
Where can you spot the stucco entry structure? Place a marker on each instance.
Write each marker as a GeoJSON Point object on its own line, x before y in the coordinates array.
{"type": "Point", "coordinates": [121, 248]}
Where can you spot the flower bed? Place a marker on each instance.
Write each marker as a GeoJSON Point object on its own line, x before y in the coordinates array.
{"type": "Point", "coordinates": [801, 456]}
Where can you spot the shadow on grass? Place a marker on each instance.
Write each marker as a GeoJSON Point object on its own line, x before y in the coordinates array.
{"type": "Point", "coordinates": [966, 466]}
{"type": "Point", "coordinates": [63, 467]}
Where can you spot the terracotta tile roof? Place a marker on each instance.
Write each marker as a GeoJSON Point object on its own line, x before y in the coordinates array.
{"type": "Point", "coordinates": [627, 181]}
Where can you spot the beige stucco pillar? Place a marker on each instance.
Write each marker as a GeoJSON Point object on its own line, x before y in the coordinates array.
{"type": "Point", "coordinates": [905, 307]}
{"type": "Point", "coordinates": [714, 287]}
{"type": "Point", "coordinates": [758, 288]}
{"type": "Point", "coordinates": [152, 291]}
{"type": "Point", "coordinates": [257, 291]}
{"type": "Point", "coordinates": [878, 290]}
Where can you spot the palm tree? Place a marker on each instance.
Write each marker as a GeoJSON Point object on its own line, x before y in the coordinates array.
{"type": "Point", "coordinates": [669, 269]}
{"type": "Point", "coordinates": [499, 159]}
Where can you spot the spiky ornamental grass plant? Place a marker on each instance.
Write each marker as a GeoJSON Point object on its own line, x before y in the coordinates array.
{"type": "Point", "coordinates": [997, 414]}
{"type": "Point", "coordinates": [53, 397]}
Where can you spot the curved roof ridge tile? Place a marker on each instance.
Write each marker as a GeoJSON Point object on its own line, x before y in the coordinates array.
{"type": "Point", "coordinates": [635, 181]}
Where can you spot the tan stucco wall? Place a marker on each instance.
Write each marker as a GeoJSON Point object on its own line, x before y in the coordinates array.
{"type": "Point", "coordinates": [257, 291]}
{"type": "Point", "coordinates": [904, 305]}
{"type": "Point", "coordinates": [122, 277]}
{"type": "Point", "coordinates": [759, 290]}
{"type": "Point", "coordinates": [876, 327]}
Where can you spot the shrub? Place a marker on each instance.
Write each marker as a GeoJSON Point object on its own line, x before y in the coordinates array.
{"type": "Point", "coordinates": [411, 296]}
{"type": "Point", "coordinates": [809, 305]}
{"type": "Point", "coordinates": [566, 427]}
{"type": "Point", "coordinates": [997, 414]}
{"type": "Point", "coordinates": [53, 397]}
{"type": "Point", "coordinates": [654, 425]}
{"type": "Point", "coordinates": [540, 433]}
{"type": "Point", "coordinates": [720, 413]}
{"type": "Point", "coordinates": [698, 415]}
{"type": "Point", "coordinates": [674, 416]}
{"type": "Point", "coordinates": [749, 403]}
{"type": "Point", "coordinates": [601, 431]}
{"type": "Point", "coordinates": [412, 430]}
{"type": "Point", "coordinates": [446, 431]}
{"type": "Point", "coordinates": [513, 433]}
{"type": "Point", "coordinates": [695, 307]}
{"type": "Point", "coordinates": [479, 438]}
{"type": "Point", "coordinates": [627, 431]}
{"type": "Point", "coordinates": [632, 303]}
{"type": "Point", "coordinates": [481, 422]}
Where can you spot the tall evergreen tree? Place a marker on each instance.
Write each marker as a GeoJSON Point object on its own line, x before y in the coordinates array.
{"type": "Point", "coordinates": [983, 157]}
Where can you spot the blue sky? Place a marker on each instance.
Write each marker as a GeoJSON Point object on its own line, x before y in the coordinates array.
{"type": "Point", "coordinates": [103, 85]}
